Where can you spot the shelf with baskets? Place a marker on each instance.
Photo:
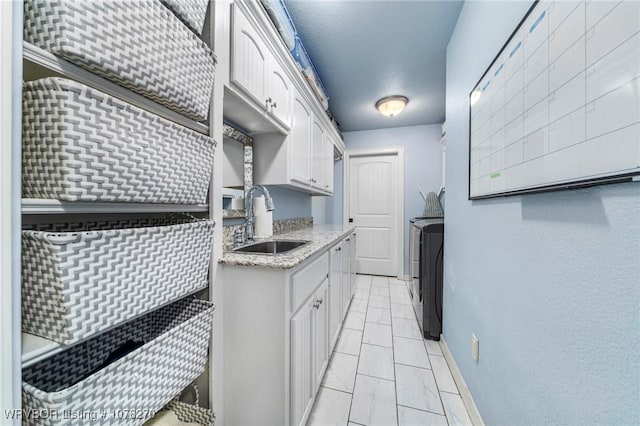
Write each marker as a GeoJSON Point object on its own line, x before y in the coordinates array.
{"type": "Point", "coordinates": [46, 64]}
{"type": "Point", "coordinates": [36, 206]}
{"type": "Point", "coordinates": [117, 154]}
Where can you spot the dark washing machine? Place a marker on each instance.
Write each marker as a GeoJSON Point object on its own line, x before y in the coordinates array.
{"type": "Point", "coordinates": [426, 253]}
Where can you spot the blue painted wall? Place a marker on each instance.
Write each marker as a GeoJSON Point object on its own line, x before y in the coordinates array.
{"type": "Point", "coordinates": [550, 283]}
{"type": "Point", "coordinates": [422, 168]}
{"type": "Point", "coordinates": [289, 204]}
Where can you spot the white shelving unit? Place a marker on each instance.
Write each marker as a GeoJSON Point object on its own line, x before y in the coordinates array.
{"type": "Point", "coordinates": [42, 206]}
{"type": "Point", "coordinates": [39, 63]}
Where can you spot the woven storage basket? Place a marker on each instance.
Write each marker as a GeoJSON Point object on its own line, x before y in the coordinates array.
{"type": "Point", "coordinates": [80, 144]}
{"type": "Point", "coordinates": [138, 44]}
{"type": "Point", "coordinates": [189, 413]}
{"type": "Point", "coordinates": [191, 12]}
{"type": "Point", "coordinates": [80, 380]}
{"type": "Point", "coordinates": [79, 279]}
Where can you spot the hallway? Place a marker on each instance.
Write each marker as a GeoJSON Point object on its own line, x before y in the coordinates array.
{"type": "Point", "coordinates": [382, 372]}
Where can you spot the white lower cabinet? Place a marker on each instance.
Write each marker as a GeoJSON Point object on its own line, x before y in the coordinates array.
{"type": "Point", "coordinates": [302, 361]}
{"type": "Point", "coordinates": [309, 351]}
{"type": "Point", "coordinates": [335, 294]}
{"type": "Point", "coordinates": [280, 326]}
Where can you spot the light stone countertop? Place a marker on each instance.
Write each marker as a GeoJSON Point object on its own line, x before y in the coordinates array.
{"type": "Point", "coordinates": [321, 237]}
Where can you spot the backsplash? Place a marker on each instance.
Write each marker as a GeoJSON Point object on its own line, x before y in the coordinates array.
{"type": "Point", "coordinates": [279, 226]}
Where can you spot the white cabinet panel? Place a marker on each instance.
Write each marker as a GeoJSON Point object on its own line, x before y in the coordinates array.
{"type": "Point", "coordinates": [301, 363]}
{"type": "Point", "coordinates": [346, 274]}
{"type": "Point", "coordinates": [328, 164]}
{"type": "Point", "coordinates": [335, 294]}
{"type": "Point", "coordinates": [320, 333]}
{"type": "Point", "coordinates": [249, 58]}
{"type": "Point", "coordinates": [300, 143]}
{"type": "Point", "coordinates": [318, 168]}
{"type": "Point", "coordinates": [279, 92]}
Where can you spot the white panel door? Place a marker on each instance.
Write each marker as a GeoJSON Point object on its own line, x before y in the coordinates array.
{"type": "Point", "coordinates": [280, 94]}
{"type": "Point", "coordinates": [328, 164]}
{"type": "Point", "coordinates": [346, 272]}
{"type": "Point", "coordinates": [301, 361]}
{"type": "Point", "coordinates": [374, 208]}
{"type": "Point", "coordinates": [335, 294]}
{"type": "Point", "coordinates": [318, 168]}
{"type": "Point", "coordinates": [320, 334]}
{"type": "Point", "coordinates": [249, 58]}
{"type": "Point", "coordinates": [301, 142]}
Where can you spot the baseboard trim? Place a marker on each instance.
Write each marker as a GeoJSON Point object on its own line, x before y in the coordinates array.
{"type": "Point", "coordinates": [404, 277]}
{"type": "Point", "coordinates": [467, 400]}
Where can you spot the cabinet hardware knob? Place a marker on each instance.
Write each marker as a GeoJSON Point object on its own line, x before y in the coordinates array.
{"type": "Point", "coordinates": [275, 105]}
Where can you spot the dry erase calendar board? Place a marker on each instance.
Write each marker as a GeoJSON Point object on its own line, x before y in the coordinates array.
{"type": "Point", "coordinates": [560, 104]}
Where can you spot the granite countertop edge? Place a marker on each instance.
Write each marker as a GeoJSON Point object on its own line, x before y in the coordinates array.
{"type": "Point", "coordinates": [321, 237]}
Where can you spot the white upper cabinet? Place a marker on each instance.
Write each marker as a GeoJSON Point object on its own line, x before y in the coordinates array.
{"type": "Point", "coordinates": [249, 58]}
{"type": "Point", "coordinates": [268, 96]}
{"type": "Point", "coordinates": [256, 72]}
{"type": "Point", "coordinates": [279, 92]}
{"type": "Point", "coordinates": [318, 167]}
{"type": "Point", "coordinates": [300, 142]}
{"type": "Point", "coordinates": [328, 164]}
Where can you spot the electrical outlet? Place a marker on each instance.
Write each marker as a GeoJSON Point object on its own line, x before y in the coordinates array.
{"type": "Point", "coordinates": [475, 347]}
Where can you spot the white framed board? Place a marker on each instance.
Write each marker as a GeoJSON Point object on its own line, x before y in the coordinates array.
{"type": "Point", "coordinates": [559, 106]}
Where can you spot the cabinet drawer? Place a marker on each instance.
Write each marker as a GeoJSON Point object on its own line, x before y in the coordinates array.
{"type": "Point", "coordinates": [305, 281]}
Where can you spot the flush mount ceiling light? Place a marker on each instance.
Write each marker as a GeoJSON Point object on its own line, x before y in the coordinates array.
{"type": "Point", "coordinates": [392, 105]}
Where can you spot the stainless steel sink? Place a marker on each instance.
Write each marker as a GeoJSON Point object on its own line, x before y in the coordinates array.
{"type": "Point", "coordinates": [271, 247]}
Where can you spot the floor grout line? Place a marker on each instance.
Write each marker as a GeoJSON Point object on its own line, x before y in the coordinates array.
{"type": "Point", "coordinates": [420, 409]}
{"type": "Point", "coordinates": [393, 337]}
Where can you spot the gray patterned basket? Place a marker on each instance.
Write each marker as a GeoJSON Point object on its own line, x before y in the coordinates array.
{"type": "Point", "coordinates": [190, 413]}
{"type": "Point", "coordinates": [80, 144]}
{"type": "Point", "coordinates": [82, 278]}
{"type": "Point", "coordinates": [122, 386]}
{"type": "Point", "coordinates": [138, 44]}
{"type": "Point", "coordinates": [191, 12]}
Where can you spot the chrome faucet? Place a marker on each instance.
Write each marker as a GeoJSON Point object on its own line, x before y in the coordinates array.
{"type": "Point", "coordinates": [249, 207]}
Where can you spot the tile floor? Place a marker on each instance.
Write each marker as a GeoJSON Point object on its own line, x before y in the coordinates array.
{"type": "Point", "coordinates": [382, 372]}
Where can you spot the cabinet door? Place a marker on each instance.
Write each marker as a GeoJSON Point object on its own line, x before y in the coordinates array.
{"type": "Point", "coordinates": [335, 294]}
{"type": "Point", "coordinates": [249, 58]}
{"type": "Point", "coordinates": [280, 94]}
{"type": "Point", "coordinates": [302, 379]}
{"type": "Point", "coordinates": [328, 164]}
{"type": "Point", "coordinates": [346, 278]}
{"type": "Point", "coordinates": [352, 256]}
{"type": "Point", "coordinates": [318, 168]}
{"type": "Point", "coordinates": [300, 142]}
{"type": "Point", "coordinates": [320, 339]}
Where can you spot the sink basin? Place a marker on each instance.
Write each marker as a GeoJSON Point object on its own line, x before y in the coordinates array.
{"type": "Point", "coordinates": [271, 247]}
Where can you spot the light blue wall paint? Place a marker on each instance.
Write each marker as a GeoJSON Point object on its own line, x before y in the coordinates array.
{"type": "Point", "coordinates": [289, 204]}
{"type": "Point", "coordinates": [550, 283]}
{"type": "Point", "coordinates": [422, 165]}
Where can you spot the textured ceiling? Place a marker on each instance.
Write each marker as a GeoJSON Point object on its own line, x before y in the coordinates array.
{"type": "Point", "coordinates": [366, 50]}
